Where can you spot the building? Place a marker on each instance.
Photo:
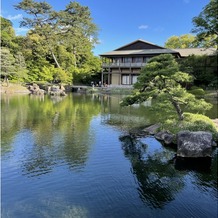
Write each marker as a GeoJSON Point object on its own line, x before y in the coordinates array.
{"type": "Point", "coordinates": [122, 66]}
{"type": "Point", "coordinates": [185, 52]}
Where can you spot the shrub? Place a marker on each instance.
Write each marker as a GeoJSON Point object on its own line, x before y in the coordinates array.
{"type": "Point", "coordinates": [192, 122]}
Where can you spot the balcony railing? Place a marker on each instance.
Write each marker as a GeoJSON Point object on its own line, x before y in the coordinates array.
{"type": "Point", "coordinates": [115, 65]}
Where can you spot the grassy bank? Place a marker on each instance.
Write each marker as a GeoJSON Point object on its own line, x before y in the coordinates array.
{"type": "Point", "coordinates": [13, 88]}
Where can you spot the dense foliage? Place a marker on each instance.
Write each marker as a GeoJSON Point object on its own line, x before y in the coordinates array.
{"type": "Point", "coordinates": [206, 25]}
{"type": "Point", "coordinates": [183, 41]}
{"type": "Point", "coordinates": [189, 41]}
{"type": "Point", "coordinates": [192, 122]}
{"type": "Point", "coordinates": [58, 46]}
{"type": "Point", "coordinates": [203, 68]}
{"type": "Point", "coordinates": [13, 65]}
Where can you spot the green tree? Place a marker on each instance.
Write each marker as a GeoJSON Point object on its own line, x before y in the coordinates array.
{"type": "Point", "coordinates": [7, 63]}
{"type": "Point", "coordinates": [161, 79]}
{"type": "Point", "coordinates": [88, 69]}
{"type": "Point", "coordinates": [202, 67]}
{"type": "Point", "coordinates": [21, 69]}
{"type": "Point", "coordinates": [66, 37]}
{"type": "Point", "coordinates": [13, 66]}
{"type": "Point", "coordinates": [206, 25]}
{"type": "Point", "coordinates": [36, 57]}
{"type": "Point", "coordinates": [183, 41]}
{"type": "Point", "coordinates": [43, 21]}
{"type": "Point", "coordinates": [7, 33]}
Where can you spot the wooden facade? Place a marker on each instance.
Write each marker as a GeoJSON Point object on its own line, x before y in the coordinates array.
{"type": "Point", "coordinates": [122, 66]}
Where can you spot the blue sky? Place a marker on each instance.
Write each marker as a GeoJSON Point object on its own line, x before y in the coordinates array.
{"type": "Point", "coordinates": [123, 21]}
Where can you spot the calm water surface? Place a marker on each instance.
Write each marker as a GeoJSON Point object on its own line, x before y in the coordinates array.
{"type": "Point", "coordinates": [70, 157]}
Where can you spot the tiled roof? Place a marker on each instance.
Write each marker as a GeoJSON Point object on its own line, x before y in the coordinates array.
{"type": "Point", "coordinates": [184, 52]}
{"type": "Point", "coordinates": [151, 49]}
{"type": "Point", "coordinates": [139, 52]}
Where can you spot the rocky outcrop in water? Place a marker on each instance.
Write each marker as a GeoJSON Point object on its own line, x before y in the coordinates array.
{"type": "Point", "coordinates": [57, 90]}
{"type": "Point", "coordinates": [194, 144]}
{"type": "Point", "coordinates": [188, 144]}
{"type": "Point", "coordinates": [35, 90]}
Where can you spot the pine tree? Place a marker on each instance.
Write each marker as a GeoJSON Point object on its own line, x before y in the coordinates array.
{"type": "Point", "coordinates": [162, 80]}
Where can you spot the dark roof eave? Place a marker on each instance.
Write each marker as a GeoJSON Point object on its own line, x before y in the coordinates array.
{"type": "Point", "coordinates": [148, 54]}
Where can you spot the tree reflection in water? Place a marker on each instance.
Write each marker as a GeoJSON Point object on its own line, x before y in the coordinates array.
{"type": "Point", "coordinates": [48, 130]}
{"type": "Point", "coordinates": [158, 180]}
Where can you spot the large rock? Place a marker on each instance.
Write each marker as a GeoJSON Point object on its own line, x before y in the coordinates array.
{"type": "Point", "coordinates": [194, 144]}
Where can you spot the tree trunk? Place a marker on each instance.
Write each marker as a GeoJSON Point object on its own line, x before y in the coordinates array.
{"type": "Point", "coordinates": [6, 80]}
{"type": "Point", "coordinates": [178, 110]}
{"type": "Point", "coordinates": [46, 37]}
{"type": "Point", "coordinates": [55, 59]}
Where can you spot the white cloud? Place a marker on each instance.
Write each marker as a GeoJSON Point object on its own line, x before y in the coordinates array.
{"type": "Point", "coordinates": [16, 17]}
{"type": "Point", "coordinates": [143, 27]}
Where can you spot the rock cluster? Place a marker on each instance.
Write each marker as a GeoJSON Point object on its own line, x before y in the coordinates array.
{"type": "Point", "coordinates": [35, 90]}
{"type": "Point", "coordinates": [189, 144]}
{"type": "Point", "coordinates": [57, 90]}
{"type": "Point", "coordinates": [51, 90]}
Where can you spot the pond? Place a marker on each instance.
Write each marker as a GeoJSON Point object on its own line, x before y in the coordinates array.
{"type": "Point", "coordinates": [70, 157]}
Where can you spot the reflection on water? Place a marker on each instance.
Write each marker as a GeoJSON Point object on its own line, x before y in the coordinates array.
{"type": "Point", "coordinates": [69, 157]}
{"type": "Point", "coordinates": [48, 125]}
{"type": "Point", "coordinates": [159, 182]}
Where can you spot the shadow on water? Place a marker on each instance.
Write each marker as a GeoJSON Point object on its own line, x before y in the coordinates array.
{"type": "Point", "coordinates": [195, 164]}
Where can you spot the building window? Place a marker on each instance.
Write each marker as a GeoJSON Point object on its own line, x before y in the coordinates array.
{"type": "Point", "coordinates": [134, 79]}
{"type": "Point", "coordinates": [117, 60]}
{"type": "Point", "coordinates": [138, 60]}
{"type": "Point", "coordinates": [125, 80]}
{"type": "Point", "coordinates": [129, 80]}
{"type": "Point", "coordinates": [127, 60]}
{"type": "Point", "coordinates": [146, 59]}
